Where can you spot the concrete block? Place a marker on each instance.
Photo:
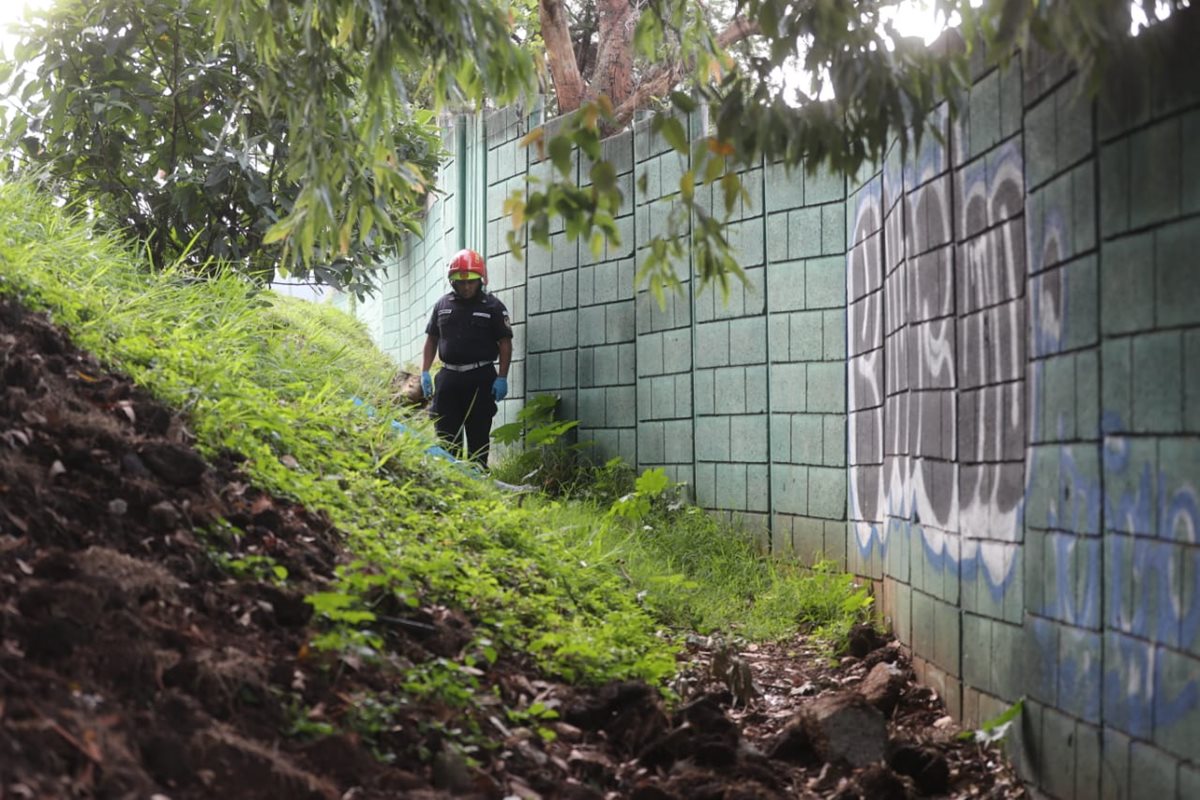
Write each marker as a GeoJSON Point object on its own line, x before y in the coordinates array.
{"type": "Point", "coordinates": [1081, 286]}
{"type": "Point", "coordinates": [591, 408]}
{"type": "Point", "coordinates": [1040, 134]}
{"type": "Point", "coordinates": [712, 438]}
{"type": "Point", "coordinates": [1114, 188]}
{"type": "Point", "coordinates": [777, 237]}
{"type": "Point", "coordinates": [747, 341]}
{"type": "Point", "coordinates": [730, 390]}
{"type": "Point", "coordinates": [1117, 385]}
{"type": "Point", "coordinates": [1190, 177]}
{"type": "Point", "coordinates": [784, 187]}
{"type": "Point", "coordinates": [1058, 413]}
{"type": "Point", "coordinates": [677, 440]}
{"type": "Point", "coordinates": [778, 338]}
{"type": "Point", "coordinates": [833, 229]}
{"type": "Point", "coordinates": [1011, 109]}
{"type": "Point", "coordinates": [605, 366]}
{"type": "Point", "coordinates": [984, 125]}
{"type": "Point", "coordinates": [787, 286]}
{"type": "Point", "coordinates": [1128, 684]}
{"type": "Point", "coordinates": [1087, 394]}
{"type": "Point", "coordinates": [758, 482]}
{"type": "Point", "coordinates": [706, 485]}
{"type": "Point", "coordinates": [712, 344]}
{"type": "Point", "coordinates": [651, 443]}
{"type": "Point", "coordinates": [1189, 781]}
{"type": "Point", "coordinates": [1126, 291]}
{"type": "Point", "coordinates": [748, 438]}
{"type": "Point", "coordinates": [788, 387]}
{"type": "Point", "coordinates": [825, 281]}
{"type": "Point", "coordinates": [835, 541]}
{"type": "Point", "coordinates": [1157, 383]}
{"type": "Point", "coordinates": [834, 336]}
{"type": "Point", "coordinates": [1114, 765]}
{"type": "Point", "coordinates": [756, 389]}
{"type": "Point", "coordinates": [808, 540]}
{"type": "Point", "coordinates": [662, 397]}
{"type": "Point", "coordinates": [1087, 761]}
{"type": "Point", "coordinates": [781, 536]}
{"type": "Point", "coordinates": [677, 350]}
{"type": "Point", "coordinates": [564, 327]}
{"type": "Point", "coordinates": [704, 387]}
{"type": "Point", "coordinates": [1191, 381]}
{"type": "Point", "coordinates": [591, 326]}
{"type": "Point", "coordinates": [1058, 745]}
{"type": "Point", "coordinates": [806, 439]}
{"type": "Point", "coordinates": [1177, 720]}
{"type": "Point", "coordinates": [804, 233]}
{"type": "Point", "coordinates": [922, 624]}
{"type": "Point", "coordinates": [806, 335]}
{"type": "Point", "coordinates": [621, 406]}
{"type": "Point", "coordinates": [780, 438]}
{"type": "Point", "coordinates": [1007, 661]}
{"type": "Point", "coordinates": [827, 493]}
{"type": "Point", "coordinates": [977, 651]}
{"type": "Point", "coordinates": [896, 554]}
{"type": "Point", "coordinates": [790, 488]}
{"type": "Point", "coordinates": [731, 486]}
{"type": "Point", "coordinates": [1073, 124]}
{"type": "Point", "coordinates": [1155, 172]}
{"type": "Point", "coordinates": [1152, 773]}
{"type": "Point", "coordinates": [1041, 659]}
{"type": "Point", "coordinates": [1083, 207]}
{"type": "Point", "coordinates": [1178, 476]}
{"type": "Point", "coordinates": [834, 437]}
{"type": "Point", "coordinates": [1079, 672]}
{"type": "Point", "coordinates": [824, 187]}
{"type": "Point", "coordinates": [826, 387]}
{"type": "Point", "coordinates": [1176, 249]}
{"type": "Point", "coordinates": [1130, 478]}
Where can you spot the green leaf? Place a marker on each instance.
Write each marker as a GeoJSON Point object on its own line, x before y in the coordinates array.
{"type": "Point", "coordinates": [560, 154]}
{"type": "Point", "coordinates": [652, 482]}
{"type": "Point", "coordinates": [509, 433]}
{"type": "Point", "coordinates": [672, 131]}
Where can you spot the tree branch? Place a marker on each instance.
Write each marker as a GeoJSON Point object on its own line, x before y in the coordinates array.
{"type": "Point", "coordinates": [659, 80]}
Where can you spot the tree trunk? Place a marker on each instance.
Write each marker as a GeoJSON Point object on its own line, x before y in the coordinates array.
{"type": "Point", "coordinates": [614, 62]}
{"type": "Point", "coordinates": [564, 70]}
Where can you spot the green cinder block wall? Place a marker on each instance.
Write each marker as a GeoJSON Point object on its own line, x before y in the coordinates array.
{"type": "Point", "coordinates": [969, 374]}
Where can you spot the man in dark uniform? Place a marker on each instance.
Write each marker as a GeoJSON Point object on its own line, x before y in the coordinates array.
{"type": "Point", "coordinates": [468, 331]}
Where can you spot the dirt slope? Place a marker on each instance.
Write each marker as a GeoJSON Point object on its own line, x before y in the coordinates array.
{"type": "Point", "coordinates": [133, 663]}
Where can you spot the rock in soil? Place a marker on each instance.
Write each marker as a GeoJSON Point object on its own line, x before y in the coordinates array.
{"type": "Point", "coordinates": [882, 686]}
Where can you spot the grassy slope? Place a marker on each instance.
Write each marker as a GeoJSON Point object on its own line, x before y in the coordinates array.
{"type": "Point", "coordinates": [273, 379]}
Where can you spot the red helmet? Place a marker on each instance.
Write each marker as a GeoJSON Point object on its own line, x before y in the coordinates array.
{"type": "Point", "coordinates": [467, 265]}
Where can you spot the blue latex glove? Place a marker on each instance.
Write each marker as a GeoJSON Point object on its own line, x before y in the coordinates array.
{"type": "Point", "coordinates": [500, 389]}
{"type": "Point", "coordinates": [427, 384]}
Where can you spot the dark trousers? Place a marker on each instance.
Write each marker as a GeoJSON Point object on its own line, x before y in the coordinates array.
{"type": "Point", "coordinates": [462, 404]}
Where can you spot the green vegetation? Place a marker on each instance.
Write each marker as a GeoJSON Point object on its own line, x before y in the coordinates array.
{"type": "Point", "coordinates": [582, 586]}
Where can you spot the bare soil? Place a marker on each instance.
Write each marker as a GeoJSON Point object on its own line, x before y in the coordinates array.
{"type": "Point", "coordinates": [134, 665]}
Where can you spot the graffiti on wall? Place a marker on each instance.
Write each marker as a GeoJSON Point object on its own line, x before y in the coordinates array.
{"type": "Point", "coordinates": [939, 450]}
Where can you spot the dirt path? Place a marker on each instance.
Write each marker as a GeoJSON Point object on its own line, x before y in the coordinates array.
{"type": "Point", "coordinates": [133, 665]}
